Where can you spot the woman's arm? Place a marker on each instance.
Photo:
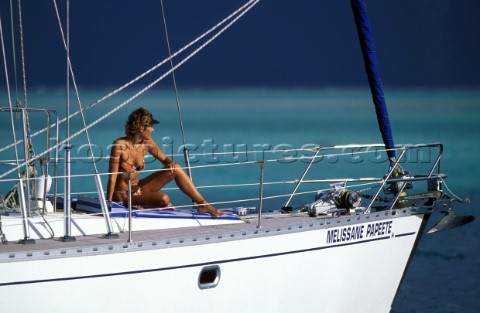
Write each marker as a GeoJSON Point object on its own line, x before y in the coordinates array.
{"type": "Point", "coordinates": [113, 167]}
{"type": "Point", "coordinates": [158, 154]}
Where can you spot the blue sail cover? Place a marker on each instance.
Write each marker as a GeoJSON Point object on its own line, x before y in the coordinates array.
{"type": "Point", "coordinates": [371, 65]}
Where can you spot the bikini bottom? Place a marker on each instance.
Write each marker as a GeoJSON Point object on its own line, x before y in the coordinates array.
{"type": "Point", "coordinates": [122, 195]}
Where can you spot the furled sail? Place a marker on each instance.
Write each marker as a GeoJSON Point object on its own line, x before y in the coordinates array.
{"type": "Point", "coordinates": [371, 65]}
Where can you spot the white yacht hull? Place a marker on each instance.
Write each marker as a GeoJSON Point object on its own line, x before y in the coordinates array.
{"type": "Point", "coordinates": [303, 268]}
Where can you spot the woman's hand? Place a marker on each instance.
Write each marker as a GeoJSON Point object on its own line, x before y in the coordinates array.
{"type": "Point", "coordinates": [171, 166]}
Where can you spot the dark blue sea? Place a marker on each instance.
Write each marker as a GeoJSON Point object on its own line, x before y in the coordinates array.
{"type": "Point", "coordinates": [241, 125]}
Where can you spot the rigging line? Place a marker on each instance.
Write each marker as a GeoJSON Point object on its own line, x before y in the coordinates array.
{"type": "Point", "coordinates": [142, 91]}
{"type": "Point", "coordinates": [31, 152]}
{"type": "Point", "coordinates": [145, 89]}
{"type": "Point", "coordinates": [454, 195]}
{"type": "Point", "coordinates": [14, 52]}
{"type": "Point", "coordinates": [20, 23]}
{"type": "Point", "coordinates": [245, 8]}
{"type": "Point", "coordinates": [70, 70]}
{"type": "Point", "coordinates": [67, 49]}
{"type": "Point", "coordinates": [8, 93]}
{"type": "Point", "coordinates": [179, 109]}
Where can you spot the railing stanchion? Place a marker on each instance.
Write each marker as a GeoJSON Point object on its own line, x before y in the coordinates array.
{"type": "Point", "coordinates": [385, 180]}
{"type": "Point", "coordinates": [106, 214]}
{"type": "Point", "coordinates": [301, 179]}
{"type": "Point", "coordinates": [259, 224]}
{"type": "Point", "coordinates": [26, 136]}
{"type": "Point", "coordinates": [67, 200]}
{"type": "Point", "coordinates": [21, 197]}
{"type": "Point", "coordinates": [129, 209]}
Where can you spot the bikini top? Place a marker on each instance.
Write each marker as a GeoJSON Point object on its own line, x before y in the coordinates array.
{"type": "Point", "coordinates": [128, 167]}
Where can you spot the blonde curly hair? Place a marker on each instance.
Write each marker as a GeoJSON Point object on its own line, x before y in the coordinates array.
{"type": "Point", "coordinates": [139, 118]}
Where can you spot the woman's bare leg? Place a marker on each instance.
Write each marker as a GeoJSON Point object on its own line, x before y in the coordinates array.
{"type": "Point", "coordinates": [155, 199]}
{"type": "Point", "coordinates": [156, 181]}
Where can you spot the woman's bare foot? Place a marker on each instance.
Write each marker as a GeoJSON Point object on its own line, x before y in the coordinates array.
{"type": "Point", "coordinates": [204, 207]}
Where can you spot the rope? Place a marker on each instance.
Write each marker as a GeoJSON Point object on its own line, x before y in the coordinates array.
{"type": "Point", "coordinates": [180, 119]}
{"type": "Point", "coordinates": [454, 195]}
{"type": "Point", "coordinates": [138, 93]}
{"type": "Point", "coordinates": [246, 7]}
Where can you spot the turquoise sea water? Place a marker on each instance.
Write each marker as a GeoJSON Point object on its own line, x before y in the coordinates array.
{"type": "Point", "coordinates": [443, 276]}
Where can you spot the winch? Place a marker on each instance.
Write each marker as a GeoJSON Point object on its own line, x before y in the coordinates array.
{"type": "Point", "coordinates": [338, 199]}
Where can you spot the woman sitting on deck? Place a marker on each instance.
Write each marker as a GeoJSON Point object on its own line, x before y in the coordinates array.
{"type": "Point", "coordinates": [127, 156]}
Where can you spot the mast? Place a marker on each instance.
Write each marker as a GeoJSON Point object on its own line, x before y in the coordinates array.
{"type": "Point", "coordinates": [67, 203]}
{"type": "Point", "coordinates": [371, 66]}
